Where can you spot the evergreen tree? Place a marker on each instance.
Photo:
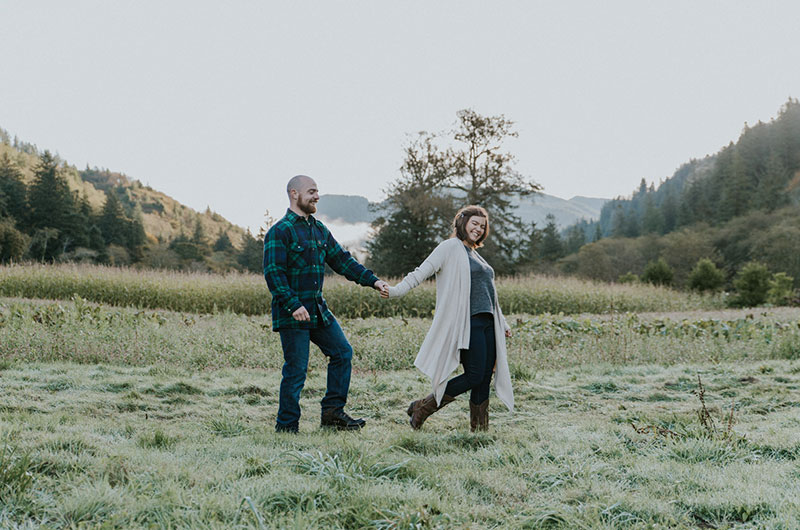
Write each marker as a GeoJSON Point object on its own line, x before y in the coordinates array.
{"type": "Point", "coordinates": [620, 223]}
{"type": "Point", "coordinates": [669, 211]}
{"type": "Point", "coordinates": [199, 237]}
{"type": "Point", "coordinates": [13, 192]}
{"type": "Point", "coordinates": [576, 237]}
{"type": "Point", "coordinates": [737, 191]}
{"type": "Point", "coordinates": [652, 221]}
{"type": "Point", "coordinates": [186, 248]}
{"type": "Point", "coordinates": [552, 248]}
{"type": "Point", "coordinates": [135, 236]}
{"type": "Point", "coordinates": [771, 192]}
{"type": "Point", "coordinates": [418, 214]}
{"type": "Point", "coordinates": [251, 257]}
{"type": "Point", "coordinates": [223, 243]}
{"type": "Point", "coordinates": [112, 221]}
{"type": "Point", "coordinates": [54, 208]}
{"type": "Point", "coordinates": [632, 227]}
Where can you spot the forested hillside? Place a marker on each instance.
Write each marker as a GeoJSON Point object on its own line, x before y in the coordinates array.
{"type": "Point", "coordinates": [737, 206]}
{"type": "Point", "coordinates": [51, 211]}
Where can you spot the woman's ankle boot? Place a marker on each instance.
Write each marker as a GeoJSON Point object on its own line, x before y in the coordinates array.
{"type": "Point", "coordinates": [479, 416]}
{"type": "Point", "coordinates": [422, 408]}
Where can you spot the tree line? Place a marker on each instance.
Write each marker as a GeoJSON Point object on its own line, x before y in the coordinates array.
{"type": "Point", "coordinates": [47, 221]}
{"type": "Point", "coordinates": [736, 209]}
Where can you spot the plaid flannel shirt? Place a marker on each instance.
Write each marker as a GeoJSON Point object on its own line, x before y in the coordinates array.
{"type": "Point", "coordinates": [296, 250]}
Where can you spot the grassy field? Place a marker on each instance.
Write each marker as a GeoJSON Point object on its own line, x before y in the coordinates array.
{"type": "Point", "coordinates": [122, 418]}
{"type": "Point", "coordinates": [248, 294]}
{"type": "Point", "coordinates": [589, 447]}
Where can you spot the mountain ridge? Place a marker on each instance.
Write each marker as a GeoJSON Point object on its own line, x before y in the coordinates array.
{"type": "Point", "coordinates": [352, 209]}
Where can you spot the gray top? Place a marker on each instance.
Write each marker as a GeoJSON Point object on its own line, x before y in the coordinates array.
{"type": "Point", "coordinates": [481, 293]}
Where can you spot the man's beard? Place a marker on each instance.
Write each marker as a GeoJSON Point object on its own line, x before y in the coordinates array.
{"type": "Point", "coordinates": [306, 207]}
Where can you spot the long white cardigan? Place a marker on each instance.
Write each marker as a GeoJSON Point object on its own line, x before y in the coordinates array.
{"type": "Point", "coordinates": [439, 355]}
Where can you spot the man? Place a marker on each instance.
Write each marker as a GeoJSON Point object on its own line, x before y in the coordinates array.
{"type": "Point", "coordinates": [296, 250]}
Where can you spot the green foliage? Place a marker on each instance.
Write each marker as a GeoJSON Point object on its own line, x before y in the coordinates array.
{"type": "Point", "coordinates": [781, 289]}
{"type": "Point", "coordinates": [13, 243]}
{"type": "Point", "coordinates": [112, 221]}
{"type": "Point", "coordinates": [434, 182]}
{"type": "Point", "coordinates": [13, 192]}
{"type": "Point", "coordinates": [252, 255]}
{"type": "Point", "coordinates": [705, 276]}
{"type": "Point", "coordinates": [658, 273]}
{"type": "Point", "coordinates": [55, 216]}
{"type": "Point", "coordinates": [419, 212]}
{"type": "Point", "coordinates": [723, 194]}
{"type": "Point", "coordinates": [223, 243]}
{"type": "Point", "coordinates": [551, 247]}
{"type": "Point", "coordinates": [751, 284]}
{"type": "Point", "coordinates": [628, 277]}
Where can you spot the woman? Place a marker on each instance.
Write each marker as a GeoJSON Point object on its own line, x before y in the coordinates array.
{"type": "Point", "coordinates": [468, 325]}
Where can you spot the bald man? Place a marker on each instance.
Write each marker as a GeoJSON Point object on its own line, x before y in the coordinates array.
{"type": "Point", "coordinates": [296, 250]}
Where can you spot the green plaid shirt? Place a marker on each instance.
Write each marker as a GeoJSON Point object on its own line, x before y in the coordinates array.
{"type": "Point", "coordinates": [296, 250]}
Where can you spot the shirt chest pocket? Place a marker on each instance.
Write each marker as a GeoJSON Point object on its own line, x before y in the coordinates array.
{"type": "Point", "coordinates": [296, 255]}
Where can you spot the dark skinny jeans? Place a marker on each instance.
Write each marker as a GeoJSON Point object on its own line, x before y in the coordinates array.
{"type": "Point", "coordinates": [478, 361]}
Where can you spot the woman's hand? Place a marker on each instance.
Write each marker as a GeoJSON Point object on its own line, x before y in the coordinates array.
{"type": "Point", "coordinates": [508, 332]}
{"type": "Point", "coordinates": [384, 290]}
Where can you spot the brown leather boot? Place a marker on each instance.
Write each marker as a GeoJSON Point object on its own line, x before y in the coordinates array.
{"type": "Point", "coordinates": [422, 408]}
{"type": "Point", "coordinates": [479, 416]}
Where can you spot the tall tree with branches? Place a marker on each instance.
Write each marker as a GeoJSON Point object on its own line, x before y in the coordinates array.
{"type": "Point", "coordinates": [479, 167]}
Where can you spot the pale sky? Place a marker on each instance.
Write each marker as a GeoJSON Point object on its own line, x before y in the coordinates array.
{"type": "Point", "coordinates": [219, 103]}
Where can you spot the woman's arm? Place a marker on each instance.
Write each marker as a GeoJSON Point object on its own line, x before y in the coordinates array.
{"type": "Point", "coordinates": [429, 267]}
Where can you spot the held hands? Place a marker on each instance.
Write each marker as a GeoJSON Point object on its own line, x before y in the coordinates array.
{"type": "Point", "coordinates": [382, 287]}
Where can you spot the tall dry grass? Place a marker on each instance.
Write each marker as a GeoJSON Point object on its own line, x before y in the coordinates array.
{"type": "Point", "coordinates": [248, 294]}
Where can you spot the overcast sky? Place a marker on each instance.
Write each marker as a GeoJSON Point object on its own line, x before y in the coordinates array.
{"type": "Point", "coordinates": [219, 103]}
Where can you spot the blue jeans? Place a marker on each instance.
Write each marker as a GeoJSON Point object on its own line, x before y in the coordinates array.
{"type": "Point", "coordinates": [478, 361]}
{"type": "Point", "coordinates": [296, 344]}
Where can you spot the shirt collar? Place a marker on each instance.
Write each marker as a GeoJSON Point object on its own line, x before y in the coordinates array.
{"type": "Point", "coordinates": [293, 217]}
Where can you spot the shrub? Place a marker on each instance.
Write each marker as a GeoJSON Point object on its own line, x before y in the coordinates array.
{"type": "Point", "coordinates": [628, 277]}
{"type": "Point", "coordinates": [705, 276]}
{"type": "Point", "coordinates": [781, 289]}
{"type": "Point", "coordinates": [13, 243]}
{"type": "Point", "coordinates": [751, 284]}
{"type": "Point", "coordinates": [657, 272]}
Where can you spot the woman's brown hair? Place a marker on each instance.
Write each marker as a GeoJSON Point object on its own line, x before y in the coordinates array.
{"type": "Point", "coordinates": [462, 218]}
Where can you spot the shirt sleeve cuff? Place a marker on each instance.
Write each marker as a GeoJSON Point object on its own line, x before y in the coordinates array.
{"type": "Point", "coordinates": [293, 305]}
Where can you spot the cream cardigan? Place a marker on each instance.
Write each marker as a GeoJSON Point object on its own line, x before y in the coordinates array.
{"type": "Point", "coordinates": [439, 355]}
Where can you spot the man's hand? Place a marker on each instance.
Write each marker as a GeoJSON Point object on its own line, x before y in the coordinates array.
{"type": "Point", "coordinates": [383, 287]}
{"type": "Point", "coordinates": [301, 315]}
{"type": "Point", "coordinates": [508, 332]}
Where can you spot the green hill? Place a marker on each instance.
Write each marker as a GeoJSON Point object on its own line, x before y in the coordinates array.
{"type": "Point", "coordinates": [169, 227]}
{"type": "Point", "coordinates": [736, 206]}
{"type": "Point", "coordinates": [164, 217]}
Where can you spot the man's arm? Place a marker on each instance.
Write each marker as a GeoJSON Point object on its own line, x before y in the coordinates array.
{"type": "Point", "coordinates": [275, 273]}
{"type": "Point", "coordinates": [343, 263]}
